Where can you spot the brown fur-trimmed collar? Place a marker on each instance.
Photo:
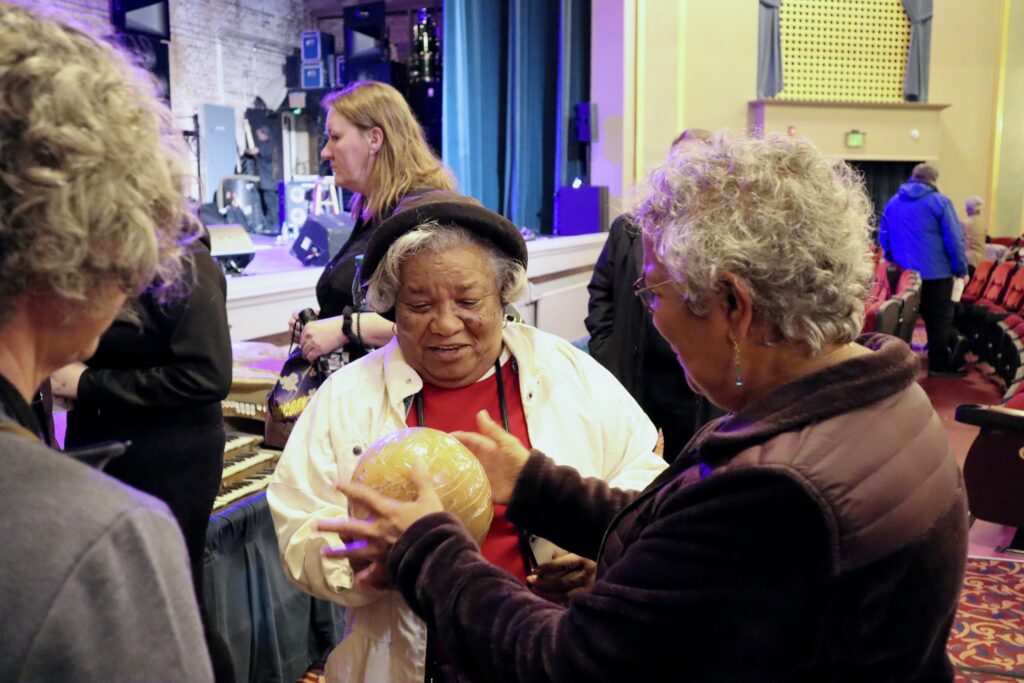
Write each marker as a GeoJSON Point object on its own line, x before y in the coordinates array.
{"type": "Point", "coordinates": [815, 397]}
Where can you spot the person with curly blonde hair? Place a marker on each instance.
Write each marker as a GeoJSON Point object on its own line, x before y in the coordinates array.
{"type": "Point", "coordinates": [816, 532]}
{"type": "Point", "coordinates": [94, 577]}
{"type": "Point", "coordinates": [377, 150]}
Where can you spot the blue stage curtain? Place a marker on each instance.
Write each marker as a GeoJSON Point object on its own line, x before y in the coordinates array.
{"type": "Point", "coordinates": [472, 128]}
{"type": "Point", "coordinates": [769, 50]}
{"type": "Point", "coordinates": [573, 87]}
{"type": "Point", "coordinates": [501, 100]}
{"type": "Point", "coordinates": [915, 83]}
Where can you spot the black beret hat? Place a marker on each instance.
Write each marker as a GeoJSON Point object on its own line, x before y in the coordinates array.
{"type": "Point", "coordinates": [493, 227]}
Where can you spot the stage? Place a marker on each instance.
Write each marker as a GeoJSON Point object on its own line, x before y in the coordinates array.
{"type": "Point", "coordinates": [274, 284]}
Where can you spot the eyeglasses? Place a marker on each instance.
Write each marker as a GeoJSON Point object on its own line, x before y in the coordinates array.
{"type": "Point", "coordinates": [646, 293]}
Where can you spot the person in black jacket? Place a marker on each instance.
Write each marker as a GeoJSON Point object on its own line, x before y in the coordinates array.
{"type": "Point", "coordinates": [157, 381]}
{"type": "Point", "coordinates": [623, 338]}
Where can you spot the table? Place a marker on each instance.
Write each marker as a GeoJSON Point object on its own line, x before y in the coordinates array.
{"type": "Point", "coordinates": [273, 630]}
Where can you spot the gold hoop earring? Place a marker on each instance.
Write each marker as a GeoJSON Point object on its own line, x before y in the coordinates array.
{"type": "Point", "coordinates": [736, 363]}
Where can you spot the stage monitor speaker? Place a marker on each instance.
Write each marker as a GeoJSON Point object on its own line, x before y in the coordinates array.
{"type": "Point", "coordinates": [231, 247]}
{"type": "Point", "coordinates": [321, 237]}
{"type": "Point", "coordinates": [581, 210]}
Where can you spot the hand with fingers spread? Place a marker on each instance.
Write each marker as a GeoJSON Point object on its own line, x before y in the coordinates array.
{"type": "Point", "coordinates": [368, 542]}
{"type": "Point", "coordinates": [502, 455]}
{"type": "Point", "coordinates": [563, 577]}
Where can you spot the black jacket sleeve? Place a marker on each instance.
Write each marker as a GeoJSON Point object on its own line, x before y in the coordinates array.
{"type": "Point", "coordinates": [196, 367]}
{"type": "Point", "coordinates": [600, 318]}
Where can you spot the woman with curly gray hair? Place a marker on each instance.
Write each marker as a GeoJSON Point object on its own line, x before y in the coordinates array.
{"type": "Point", "coordinates": [816, 532]}
{"type": "Point", "coordinates": [95, 580]}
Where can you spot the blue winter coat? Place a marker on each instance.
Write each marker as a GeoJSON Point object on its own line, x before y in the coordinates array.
{"type": "Point", "coordinates": [919, 230]}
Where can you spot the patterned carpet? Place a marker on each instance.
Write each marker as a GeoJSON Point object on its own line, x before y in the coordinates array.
{"type": "Point", "coordinates": [987, 641]}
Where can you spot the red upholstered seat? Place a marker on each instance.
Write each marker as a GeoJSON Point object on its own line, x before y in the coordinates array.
{"type": "Point", "coordinates": [975, 288]}
{"type": "Point", "coordinates": [997, 283]}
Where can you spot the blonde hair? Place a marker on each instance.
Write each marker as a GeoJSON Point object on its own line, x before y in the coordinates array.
{"type": "Point", "coordinates": [91, 168]}
{"type": "Point", "coordinates": [774, 212]}
{"type": "Point", "coordinates": [405, 162]}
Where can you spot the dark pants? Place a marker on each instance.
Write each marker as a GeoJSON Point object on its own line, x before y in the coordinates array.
{"type": "Point", "coordinates": [268, 205]}
{"type": "Point", "coordinates": [937, 311]}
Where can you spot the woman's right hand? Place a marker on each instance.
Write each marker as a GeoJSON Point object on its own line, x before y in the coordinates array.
{"type": "Point", "coordinates": [502, 455]}
{"type": "Point", "coordinates": [320, 337]}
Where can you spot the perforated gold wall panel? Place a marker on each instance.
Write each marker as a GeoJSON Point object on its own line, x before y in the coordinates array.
{"type": "Point", "coordinates": [843, 50]}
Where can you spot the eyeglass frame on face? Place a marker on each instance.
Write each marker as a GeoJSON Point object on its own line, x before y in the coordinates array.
{"type": "Point", "coordinates": [646, 293]}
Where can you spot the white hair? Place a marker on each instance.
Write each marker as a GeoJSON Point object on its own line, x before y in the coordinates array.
{"type": "Point", "coordinates": [974, 205]}
{"type": "Point", "coordinates": [433, 238]}
{"type": "Point", "coordinates": [777, 214]}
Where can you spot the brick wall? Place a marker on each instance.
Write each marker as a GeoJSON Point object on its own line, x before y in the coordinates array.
{"type": "Point", "coordinates": [222, 51]}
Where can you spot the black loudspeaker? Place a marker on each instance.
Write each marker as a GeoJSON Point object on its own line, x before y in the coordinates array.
{"type": "Point", "coordinates": [585, 116]}
{"type": "Point", "coordinates": [293, 72]}
{"type": "Point", "coordinates": [425, 101]}
{"type": "Point", "coordinates": [320, 238]}
{"type": "Point", "coordinates": [231, 247]}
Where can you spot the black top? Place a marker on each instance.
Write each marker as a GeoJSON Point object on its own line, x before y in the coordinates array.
{"type": "Point", "coordinates": [177, 358]}
{"type": "Point", "coordinates": [14, 406]}
{"type": "Point", "coordinates": [622, 335]}
{"type": "Point", "coordinates": [334, 288]}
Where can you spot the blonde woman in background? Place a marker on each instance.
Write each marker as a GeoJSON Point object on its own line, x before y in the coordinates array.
{"type": "Point", "coordinates": [377, 150]}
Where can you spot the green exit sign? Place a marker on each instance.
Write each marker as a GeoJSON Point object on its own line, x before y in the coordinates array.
{"type": "Point", "coordinates": [855, 138]}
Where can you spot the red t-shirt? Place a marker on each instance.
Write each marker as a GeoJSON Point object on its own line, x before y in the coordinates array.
{"type": "Point", "coordinates": [455, 409]}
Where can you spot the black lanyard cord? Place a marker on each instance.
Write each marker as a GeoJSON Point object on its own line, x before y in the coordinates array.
{"type": "Point", "coordinates": [420, 418]}
{"type": "Point", "coordinates": [525, 549]}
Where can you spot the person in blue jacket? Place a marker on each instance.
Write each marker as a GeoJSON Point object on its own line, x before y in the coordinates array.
{"type": "Point", "coordinates": [919, 230]}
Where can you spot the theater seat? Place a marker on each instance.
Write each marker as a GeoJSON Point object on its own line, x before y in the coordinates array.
{"type": "Point", "coordinates": [994, 467]}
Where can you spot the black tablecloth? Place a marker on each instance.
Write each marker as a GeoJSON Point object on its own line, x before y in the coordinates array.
{"type": "Point", "coordinates": [273, 630]}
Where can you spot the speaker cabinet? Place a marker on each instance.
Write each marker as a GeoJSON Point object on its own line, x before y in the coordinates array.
{"type": "Point", "coordinates": [320, 238]}
{"type": "Point", "coordinates": [580, 210]}
{"type": "Point", "coordinates": [231, 247]}
{"type": "Point", "coordinates": [294, 198]}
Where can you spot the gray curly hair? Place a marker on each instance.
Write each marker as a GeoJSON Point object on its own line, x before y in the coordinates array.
{"type": "Point", "coordinates": [91, 167]}
{"type": "Point", "coordinates": [434, 238]}
{"type": "Point", "coordinates": [776, 213]}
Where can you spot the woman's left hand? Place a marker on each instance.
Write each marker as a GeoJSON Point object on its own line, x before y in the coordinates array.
{"type": "Point", "coordinates": [367, 543]}
{"type": "Point", "coordinates": [64, 382]}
